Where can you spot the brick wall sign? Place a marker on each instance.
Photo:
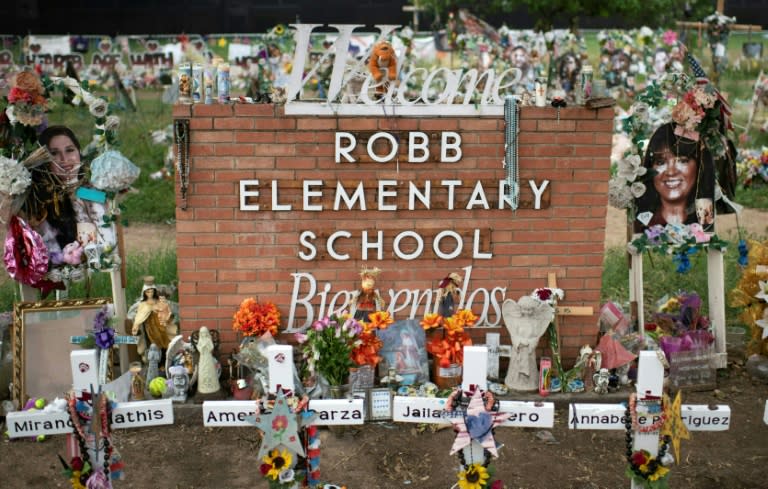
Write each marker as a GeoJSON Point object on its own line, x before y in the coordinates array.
{"type": "Point", "coordinates": [287, 203]}
{"type": "Point", "coordinates": [272, 214]}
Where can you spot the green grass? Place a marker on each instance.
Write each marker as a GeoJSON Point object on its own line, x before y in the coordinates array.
{"type": "Point", "coordinates": [660, 279]}
{"type": "Point", "coordinates": [160, 263]}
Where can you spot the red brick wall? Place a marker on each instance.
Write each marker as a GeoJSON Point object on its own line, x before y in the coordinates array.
{"type": "Point", "coordinates": [226, 255]}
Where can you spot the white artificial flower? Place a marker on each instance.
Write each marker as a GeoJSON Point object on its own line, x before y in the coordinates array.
{"type": "Point", "coordinates": [98, 107]}
{"type": "Point", "coordinates": [9, 113]}
{"type": "Point", "coordinates": [619, 195]}
{"type": "Point", "coordinates": [112, 123]}
{"type": "Point", "coordinates": [14, 177]}
{"type": "Point", "coordinates": [631, 167]}
{"type": "Point", "coordinates": [763, 294]}
{"type": "Point", "coordinates": [637, 189]}
{"type": "Point", "coordinates": [646, 31]}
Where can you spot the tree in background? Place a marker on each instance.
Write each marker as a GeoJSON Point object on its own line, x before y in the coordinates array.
{"type": "Point", "coordinates": [635, 13]}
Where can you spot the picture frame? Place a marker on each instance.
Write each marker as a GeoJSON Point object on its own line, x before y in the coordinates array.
{"type": "Point", "coordinates": [40, 339]}
{"type": "Point", "coordinates": [377, 403]}
{"type": "Point", "coordinates": [404, 350]}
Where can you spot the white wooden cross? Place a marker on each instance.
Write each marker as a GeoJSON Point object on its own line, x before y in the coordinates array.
{"type": "Point", "coordinates": [104, 355]}
{"type": "Point", "coordinates": [23, 424]}
{"type": "Point", "coordinates": [650, 380]}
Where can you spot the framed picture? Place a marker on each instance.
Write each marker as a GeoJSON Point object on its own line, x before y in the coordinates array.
{"type": "Point", "coordinates": [41, 344]}
{"type": "Point", "coordinates": [377, 403]}
{"type": "Point", "coordinates": [404, 350]}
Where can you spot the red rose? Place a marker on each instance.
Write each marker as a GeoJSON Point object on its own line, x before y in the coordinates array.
{"type": "Point", "coordinates": [650, 327]}
{"type": "Point", "coordinates": [76, 463]}
{"type": "Point", "coordinates": [264, 468]}
{"type": "Point", "coordinates": [639, 458]}
{"type": "Point", "coordinates": [543, 294]}
{"type": "Point", "coordinates": [497, 484]}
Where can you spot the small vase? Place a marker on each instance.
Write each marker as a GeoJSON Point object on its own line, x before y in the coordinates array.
{"type": "Point", "coordinates": [446, 377]}
{"type": "Point", "coordinates": [338, 392]}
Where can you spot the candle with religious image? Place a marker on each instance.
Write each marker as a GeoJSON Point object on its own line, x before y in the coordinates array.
{"type": "Point", "coordinates": [222, 82]}
{"type": "Point", "coordinates": [197, 83]}
{"type": "Point", "coordinates": [185, 83]}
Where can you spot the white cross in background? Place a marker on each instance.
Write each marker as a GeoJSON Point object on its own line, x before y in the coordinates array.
{"type": "Point", "coordinates": [23, 424]}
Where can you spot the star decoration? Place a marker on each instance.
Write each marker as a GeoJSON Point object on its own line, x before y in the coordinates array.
{"type": "Point", "coordinates": [674, 426]}
{"type": "Point", "coordinates": [279, 428]}
{"type": "Point", "coordinates": [476, 424]}
{"type": "Point", "coordinates": [763, 323]}
{"type": "Point", "coordinates": [763, 294]}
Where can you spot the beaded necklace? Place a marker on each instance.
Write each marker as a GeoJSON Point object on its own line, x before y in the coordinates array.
{"type": "Point", "coordinates": [80, 420]}
{"type": "Point", "coordinates": [653, 463]}
{"type": "Point", "coordinates": [181, 131]}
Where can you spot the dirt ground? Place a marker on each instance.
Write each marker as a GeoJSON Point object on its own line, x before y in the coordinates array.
{"type": "Point", "coordinates": [187, 455]}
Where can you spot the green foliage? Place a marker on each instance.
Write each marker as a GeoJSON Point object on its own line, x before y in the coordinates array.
{"type": "Point", "coordinates": [161, 264]}
{"type": "Point", "coordinates": [659, 278]}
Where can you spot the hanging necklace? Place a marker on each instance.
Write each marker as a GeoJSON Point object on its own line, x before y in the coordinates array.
{"type": "Point", "coordinates": [512, 128]}
{"type": "Point", "coordinates": [181, 131]}
{"type": "Point", "coordinates": [641, 463]}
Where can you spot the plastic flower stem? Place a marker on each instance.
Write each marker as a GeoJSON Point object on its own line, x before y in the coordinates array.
{"type": "Point", "coordinates": [555, 347]}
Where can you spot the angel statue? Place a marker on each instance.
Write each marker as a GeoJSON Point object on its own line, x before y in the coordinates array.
{"type": "Point", "coordinates": [526, 320]}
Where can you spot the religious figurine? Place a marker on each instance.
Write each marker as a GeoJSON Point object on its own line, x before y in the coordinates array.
{"type": "Point", "coordinates": [163, 308]}
{"type": "Point", "coordinates": [207, 375]}
{"type": "Point", "coordinates": [137, 382]}
{"type": "Point", "coordinates": [601, 380]}
{"type": "Point", "coordinates": [367, 299]}
{"type": "Point", "coordinates": [146, 323]}
{"type": "Point", "coordinates": [180, 380]}
{"type": "Point", "coordinates": [153, 362]}
{"type": "Point", "coordinates": [526, 320]}
{"type": "Point", "coordinates": [450, 294]}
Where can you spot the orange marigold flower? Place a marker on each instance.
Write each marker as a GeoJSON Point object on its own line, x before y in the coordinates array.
{"type": "Point", "coordinates": [431, 321]}
{"type": "Point", "coordinates": [380, 319]}
{"type": "Point", "coordinates": [466, 317]}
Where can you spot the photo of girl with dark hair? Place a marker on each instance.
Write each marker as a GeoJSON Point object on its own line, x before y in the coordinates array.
{"type": "Point", "coordinates": [679, 183]}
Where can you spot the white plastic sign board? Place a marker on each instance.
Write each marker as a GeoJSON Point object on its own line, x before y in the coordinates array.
{"type": "Point", "coordinates": [142, 413]}
{"type": "Point", "coordinates": [526, 414]}
{"type": "Point", "coordinates": [22, 424]}
{"type": "Point", "coordinates": [419, 410]}
{"type": "Point", "coordinates": [280, 359]}
{"type": "Point", "coordinates": [125, 415]}
{"type": "Point", "coordinates": [697, 417]}
{"type": "Point", "coordinates": [475, 368]}
{"type": "Point", "coordinates": [338, 411]}
{"type": "Point", "coordinates": [228, 413]}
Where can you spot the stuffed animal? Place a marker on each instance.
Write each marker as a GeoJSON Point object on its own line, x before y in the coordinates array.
{"type": "Point", "coordinates": [73, 253]}
{"type": "Point", "coordinates": [383, 59]}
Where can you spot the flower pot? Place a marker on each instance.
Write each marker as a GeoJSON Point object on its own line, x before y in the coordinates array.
{"type": "Point", "coordinates": [446, 377]}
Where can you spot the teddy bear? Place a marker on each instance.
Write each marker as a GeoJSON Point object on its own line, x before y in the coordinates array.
{"type": "Point", "coordinates": [383, 59]}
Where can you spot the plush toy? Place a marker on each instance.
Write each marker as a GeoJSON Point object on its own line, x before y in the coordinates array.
{"type": "Point", "coordinates": [73, 253]}
{"type": "Point", "coordinates": [383, 59]}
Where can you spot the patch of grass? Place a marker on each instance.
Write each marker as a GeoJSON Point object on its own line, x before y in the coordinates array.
{"type": "Point", "coordinates": [660, 278]}
{"type": "Point", "coordinates": [161, 264]}
{"type": "Point", "coordinates": [755, 196]}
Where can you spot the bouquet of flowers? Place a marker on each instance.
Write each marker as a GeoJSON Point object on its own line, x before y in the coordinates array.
{"type": "Point", "coordinates": [752, 163]}
{"type": "Point", "coordinates": [254, 319]}
{"type": "Point", "coordinates": [448, 348]}
{"type": "Point", "coordinates": [679, 325]}
{"type": "Point", "coordinates": [367, 352]}
{"type": "Point", "coordinates": [328, 346]}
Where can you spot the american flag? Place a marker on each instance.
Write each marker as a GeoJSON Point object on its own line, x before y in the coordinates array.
{"type": "Point", "coordinates": [701, 79]}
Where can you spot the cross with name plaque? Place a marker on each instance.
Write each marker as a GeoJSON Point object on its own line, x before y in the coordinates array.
{"type": "Point", "coordinates": [650, 380]}
{"type": "Point", "coordinates": [137, 414]}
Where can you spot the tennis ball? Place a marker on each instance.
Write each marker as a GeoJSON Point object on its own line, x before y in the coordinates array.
{"type": "Point", "coordinates": [157, 387]}
{"type": "Point", "coordinates": [40, 403]}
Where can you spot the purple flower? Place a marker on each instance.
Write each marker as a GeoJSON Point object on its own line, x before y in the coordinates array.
{"type": "Point", "coordinates": [654, 234]}
{"type": "Point", "coordinates": [57, 258]}
{"type": "Point", "coordinates": [300, 337]}
{"type": "Point", "coordinates": [100, 321]}
{"type": "Point", "coordinates": [321, 324]}
{"type": "Point", "coordinates": [353, 327]}
{"type": "Point", "coordinates": [105, 338]}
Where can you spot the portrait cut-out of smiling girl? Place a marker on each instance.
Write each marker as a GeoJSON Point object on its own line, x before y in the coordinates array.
{"type": "Point", "coordinates": [679, 182]}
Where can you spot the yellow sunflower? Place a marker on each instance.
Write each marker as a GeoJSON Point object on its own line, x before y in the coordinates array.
{"type": "Point", "coordinates": [475, 477]}
{"type": "Point", "coordinates": [660, 473]}
{"type": "Point", "coordinates": [277, 461]}
{"type": "Point", "coordinates": [279, 30]}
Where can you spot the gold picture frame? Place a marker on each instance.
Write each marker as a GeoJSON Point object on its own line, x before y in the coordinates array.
{"type": "Point", "coordinates": [43, 329]}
